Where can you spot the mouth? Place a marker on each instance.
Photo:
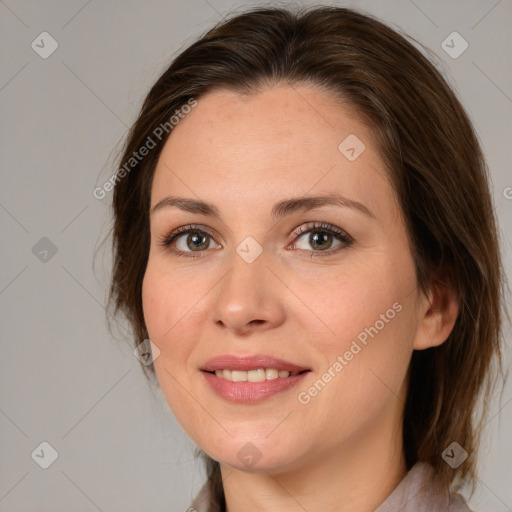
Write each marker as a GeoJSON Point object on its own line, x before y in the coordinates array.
{"type": "Point", "coordinates": [248, 363]}
{"type": "Point", "coordinates": [246, 379]}
{"type": "Point", "coordinates": [257, 375]}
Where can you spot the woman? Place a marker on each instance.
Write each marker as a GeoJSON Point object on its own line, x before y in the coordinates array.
{"type": "Point", "coordinates": [303, 229]}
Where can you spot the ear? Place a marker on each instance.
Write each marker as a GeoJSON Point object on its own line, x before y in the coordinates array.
{"type": "Point", "coordinates": [438, 312]}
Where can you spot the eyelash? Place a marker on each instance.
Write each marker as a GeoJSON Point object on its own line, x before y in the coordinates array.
{"type": "Point", "coordinates": [321, 227]}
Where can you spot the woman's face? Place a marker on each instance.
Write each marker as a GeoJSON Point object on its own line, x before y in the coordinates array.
{"type": "Point", "coordinates": [338, 299]}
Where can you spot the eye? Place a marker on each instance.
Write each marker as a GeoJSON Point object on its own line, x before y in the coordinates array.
{"type": "Point", "coordinates": [189, 239]}
{"type": "Point", "coordinates": [314, 238]}
{"type": "Point", "coordinates": [322, 238]}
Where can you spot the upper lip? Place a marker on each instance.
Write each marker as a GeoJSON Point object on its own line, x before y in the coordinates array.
{"type": "Point", "coordinates": [246, 363]}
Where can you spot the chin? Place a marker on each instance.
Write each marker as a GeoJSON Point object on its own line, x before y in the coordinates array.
{"type": "Point", "coordinates": [253, 454]}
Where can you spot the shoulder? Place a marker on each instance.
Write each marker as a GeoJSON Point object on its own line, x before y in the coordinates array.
{"type": "Point", "coordinates": [416, 493]}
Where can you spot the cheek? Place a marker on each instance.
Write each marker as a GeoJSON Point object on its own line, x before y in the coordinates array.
{"type": "Point", "coordinates": [165, 308]}
{"type": "Point", "coordinates": [341, 306]}
{"type": "Point", "coordinates": [154, 300]}
{"type": "Point", "coordinates": [363, 371]}
{"type": "Point", "coordinates": [165, 301]}
{"type": "Point", "coordinates": [366, 317]}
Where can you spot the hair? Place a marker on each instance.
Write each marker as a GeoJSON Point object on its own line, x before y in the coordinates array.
{"type": "Point", "coordinates": [435, 164]}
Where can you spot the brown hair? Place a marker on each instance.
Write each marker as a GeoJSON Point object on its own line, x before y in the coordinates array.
{"type": "Point", "coordinates": [435, 164]}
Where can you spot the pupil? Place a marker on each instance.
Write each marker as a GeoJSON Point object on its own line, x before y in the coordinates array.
{"type": "Point", "coordinates": [197, 241]}
{"type": "Point", "coordinates": [318, 239]}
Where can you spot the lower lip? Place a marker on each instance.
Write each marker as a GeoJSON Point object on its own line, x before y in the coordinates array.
{"type": "Point", "coordinates": [250, 392]}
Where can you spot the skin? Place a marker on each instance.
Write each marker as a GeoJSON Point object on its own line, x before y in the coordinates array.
{"type": "Point", "coordinates": [343, 450]}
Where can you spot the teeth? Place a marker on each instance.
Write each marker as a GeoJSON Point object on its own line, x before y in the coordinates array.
{"type": "Point", "coordinates": [271, 373]}
{"type": "Point", "coordinates": [258, 375]}
{"type": "Point", "coordinates": [237, 376]}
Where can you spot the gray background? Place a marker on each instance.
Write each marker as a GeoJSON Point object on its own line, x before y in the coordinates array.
{"type": "Point", "coordinates": [64, 380]}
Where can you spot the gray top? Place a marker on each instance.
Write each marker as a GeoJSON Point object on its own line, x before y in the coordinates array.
{"type": "Point", "coordinates": [412, 494]}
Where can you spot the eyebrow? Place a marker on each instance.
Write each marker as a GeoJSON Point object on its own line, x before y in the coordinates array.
{"type": "Point", "coordinates": [279, 210]}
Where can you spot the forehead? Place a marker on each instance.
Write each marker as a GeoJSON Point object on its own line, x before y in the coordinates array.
{"type": "Point", "coordinates": [283, 140]}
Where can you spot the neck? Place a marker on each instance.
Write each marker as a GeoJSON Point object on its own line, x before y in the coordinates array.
{"type": "Point", "coordinates": [356, 476]}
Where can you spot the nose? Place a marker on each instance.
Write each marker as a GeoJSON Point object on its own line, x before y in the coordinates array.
{"type": "Point", "coordinates": [249, 298]}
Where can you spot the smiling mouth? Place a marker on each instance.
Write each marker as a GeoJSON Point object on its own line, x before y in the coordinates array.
{"type": "Point", "coordinates": [256, 375]}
